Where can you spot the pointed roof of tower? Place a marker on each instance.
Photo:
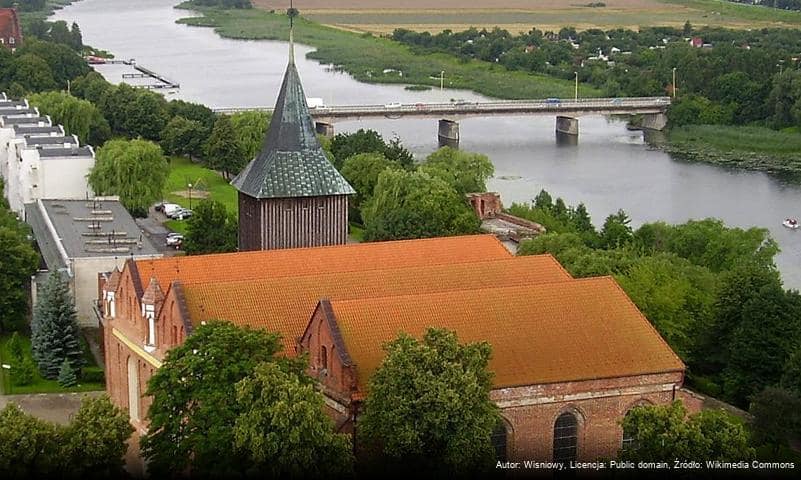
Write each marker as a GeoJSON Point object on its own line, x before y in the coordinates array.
{"type": "Point", "coordinates": [291, 162]}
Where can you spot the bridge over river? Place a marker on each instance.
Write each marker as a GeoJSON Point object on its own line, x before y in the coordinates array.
{"type": "Point", "coordinates": [652, 110]}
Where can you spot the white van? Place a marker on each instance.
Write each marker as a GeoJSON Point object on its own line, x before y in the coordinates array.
{"type": "Point", "coordinates": [170, 208]}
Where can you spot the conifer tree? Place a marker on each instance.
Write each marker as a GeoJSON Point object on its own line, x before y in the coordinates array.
{"type": "Point", "coordinates": [54, 330]}
{"type": "Point", "coordinates": [66, 375]}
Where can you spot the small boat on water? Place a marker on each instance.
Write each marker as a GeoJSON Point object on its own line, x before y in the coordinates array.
{"type": "Point", "coordinates": [791, 223]}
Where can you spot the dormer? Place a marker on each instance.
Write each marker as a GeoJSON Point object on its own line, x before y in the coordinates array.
{"type": "Point", "coordinates": [109, 292]}
{"type": "Point", "coordinates": [152, 300]}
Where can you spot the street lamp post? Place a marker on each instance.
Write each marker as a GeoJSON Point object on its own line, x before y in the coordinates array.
{"type": "Point", "coordinates": [674, 82]}
{"type": "Point", "coordinates": [442, 79]}
{"type": "Point", "coordinates": [190, 196]}
{"type": "Point", "coordinates": [576, 96]}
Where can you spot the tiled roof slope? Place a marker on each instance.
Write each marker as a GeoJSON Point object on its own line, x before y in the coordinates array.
{"type": "Point", "coordinates": [568, 331]}
{"type": "Point", "coordinates": [291, 162]}
{"type": "Point", "coordinates": [284, 305]}
{"type": "Point", "coordinates": [228, 267]}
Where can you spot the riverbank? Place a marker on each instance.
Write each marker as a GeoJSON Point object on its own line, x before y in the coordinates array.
{"type": "Point", "coordinates": [753, 148]}
{"type": "Point", "coordinates": [380, 60]}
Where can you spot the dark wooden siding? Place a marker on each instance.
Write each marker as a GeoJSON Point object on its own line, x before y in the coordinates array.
{"type": "Point", "coordinates": [249, 223]}
{"type": "Point", "coordinates": [292, 222]}
{"type": "Point", "coordinates": [304, 222]}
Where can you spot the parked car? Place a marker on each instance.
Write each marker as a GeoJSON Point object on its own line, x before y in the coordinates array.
{"type": "Point", "coordinates": [181, 214]}
{"type": "Point", "coordinates": [175, 240]}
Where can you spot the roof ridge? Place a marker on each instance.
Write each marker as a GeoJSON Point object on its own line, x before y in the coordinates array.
{"type": "Point", "coordinates": [380, 270]}
{"type": "Point", "coordinates": [192, 258]}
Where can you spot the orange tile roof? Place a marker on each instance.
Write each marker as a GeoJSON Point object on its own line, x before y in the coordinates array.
{"type": "Point", "coordinates": [569, 331]}
{"type": "Point", "coordinates": [285, 304]}
{"type": "Point", "coordinates": [318, 260]}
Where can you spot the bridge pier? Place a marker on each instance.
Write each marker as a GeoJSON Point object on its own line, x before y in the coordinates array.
{"type": "Point", "coordinates": [654, 121]}
{"type": "Point", "coordinates": [567, 126]}
{"type": "Point", "coordinates": [448, 133]}
{"type": "Point", "coordinates": [324, 128]}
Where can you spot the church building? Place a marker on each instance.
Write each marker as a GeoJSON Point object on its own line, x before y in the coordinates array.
{"type": "Point", "coordinates": [291, 195]}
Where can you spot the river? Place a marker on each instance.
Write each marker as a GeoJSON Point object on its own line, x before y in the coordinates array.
{"type": "Point", "coordinates": [610, 168]}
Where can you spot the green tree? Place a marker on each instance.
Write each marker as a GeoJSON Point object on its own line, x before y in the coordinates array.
{"type": "Point", "coordinates": [23, 371]}
{"type": "Point", "coordinates": [249, 129]}
{"type": "Point", "coordinates": [777, 416]}
{"type": "Point", "coordinates": [30, 446]}
{"type": "Point", "coordinates": [767, 333]}
{"type": "Point", "coordinates": [33, 73]}
{"type": "Point", "coordinates": [91, 87]}
{"type": "Point", "coordinates": [429, 406]}
{"type": "Point", "coordinates": [663, 433]}
{"type": "Point", "coordinates": [616, 231]}
{"type": "Point", "coordinates": [345, 145]}
{"type": "Point", "coordinates": [283, 427]}
{"type": "Point", "coordinates": [362, 172]}
{"type": "Point", "coordinates": [192, 111]}
{"type": "Point", "coordinates": [79, 117]}
{"type": "Point", "coordinates": [76, 38]}
{"type": "Point", "coordinates": [63, 62]}
{"type": "Point", "coordinates": [92, 445]}
{"type": "Point", "coordinates": [95, 441]}
{"type": "Point", "coordinates": [466, 172]}
{"type": "Point", "coordinates": [676, 296]}
{"type": "Point", "coordinates": [416, 205]}
{"type": "Point", "coordinates": [736, 288]}
{"type": "Point", "coordinates": [136, 170]}
{"type": "Point", "coordinates": [192, 416]}
{"type": "Point", "coordinates": [60, 33]}
{"type": "Point", "coordinates": [66, 375]}
{"type": "Point", "coordinates": [791, 374]}
{"type": "Point", "coordinates": [20, 261]}
{"type": "Point", "coordinates": [183, 137]}
{"type": "Point", "coordinates": [133, 112]}
{"type": "Point", "coordinates": [211, 229]}
{"type": "Point", "coordinates": [223, 151]}
{"type": "Point", "coordinates": [55, 337]}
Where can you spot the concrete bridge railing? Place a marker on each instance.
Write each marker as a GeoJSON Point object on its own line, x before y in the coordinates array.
{"type": "Point", "coordinates": [566, 110]}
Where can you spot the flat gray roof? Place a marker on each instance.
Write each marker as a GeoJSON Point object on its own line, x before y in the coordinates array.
{"type": "Point", "coordinates": [6, 111]}
{"type": "Point", "coordinates": [89, 228]}
{"type": "Point", "coordinates": [65, 152]}
{"type": "Point", "coordinates": [35, 130]}
{"type": "Point", "coordinates": [51, 140]}
{"type": "Point", "coordinates": [23, 120]}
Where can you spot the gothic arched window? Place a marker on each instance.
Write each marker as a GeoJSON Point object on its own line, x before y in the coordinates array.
{"type": "Point", "coordinates": [565, 438]}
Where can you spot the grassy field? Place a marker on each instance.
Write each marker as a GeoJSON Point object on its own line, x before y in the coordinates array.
{"type": "Point", "coordinates": [383, 16]}
{"type": "Point", "coordinates": [754, 148]}
{"type": "Point", "coordinates": [205, 184]}
{"type": "Point", "coordinates": [337, 47]}
{"type": "Point", "coordinates": [41, 385]}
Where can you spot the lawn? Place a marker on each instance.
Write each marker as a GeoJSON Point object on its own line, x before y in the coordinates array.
{"type": "Point", "coordinates": [205, 184]}
{"type": "Point", "coordinates": [335, 46]}
{"type": "Point", "coordinates": [41, 385]}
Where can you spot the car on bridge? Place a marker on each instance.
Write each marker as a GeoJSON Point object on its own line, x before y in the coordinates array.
{"type": "Point", "coordinates": [393, 105]}
{"type": "Point", "coordinates": [553, 101]}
